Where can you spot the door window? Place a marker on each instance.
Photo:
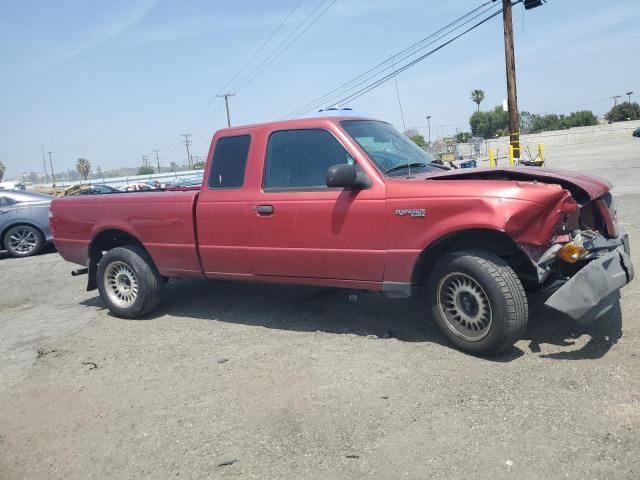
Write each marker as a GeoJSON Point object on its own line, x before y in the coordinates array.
{"type": "Point", "coordinates": [299, 159]}
{"type": "Point", "coordinates": [229, 162]}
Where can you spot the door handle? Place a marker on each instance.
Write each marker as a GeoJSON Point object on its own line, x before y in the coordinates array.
{"type": "Point", "coordinates": [264, 209]}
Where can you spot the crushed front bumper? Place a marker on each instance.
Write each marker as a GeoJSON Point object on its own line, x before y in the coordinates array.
{"type": "Point", "coordinates": [592, 291]}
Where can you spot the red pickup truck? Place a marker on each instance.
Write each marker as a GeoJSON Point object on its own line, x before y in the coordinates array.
{"type": "Point", "coordinates": [347, 201]}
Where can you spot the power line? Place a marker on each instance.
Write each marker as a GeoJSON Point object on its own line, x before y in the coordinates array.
{"type": "Point", "coordinates": [405, 54]}
{"type": "Point", "coordinates": [390, 62]}
{"type": "Point", "coordinates": [386, 78]}
{"type": "Point", "coordinates": [302, 27]}
{"type": "Point", "coordinates": [264, 44]}
{"type": "Point", "coordinates": [251, 58]}
{"type": "Point", "coordinates": [404, 127]}
{"type": "Point", "coordinates": [283, 46]}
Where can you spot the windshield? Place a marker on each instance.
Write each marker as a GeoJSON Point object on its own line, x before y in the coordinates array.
{"type": "Point", "coordinates": [391, 151]}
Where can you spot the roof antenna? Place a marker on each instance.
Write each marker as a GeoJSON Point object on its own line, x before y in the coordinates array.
{"type": "Point", "coordinates": [404, 127]}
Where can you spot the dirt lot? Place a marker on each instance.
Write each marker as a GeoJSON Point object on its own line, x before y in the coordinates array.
{"type": "Point", "coordinates": [253, 381]}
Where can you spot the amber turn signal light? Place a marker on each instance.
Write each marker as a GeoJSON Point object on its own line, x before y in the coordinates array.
{"type": "Point", "coordinates": [571, 253]}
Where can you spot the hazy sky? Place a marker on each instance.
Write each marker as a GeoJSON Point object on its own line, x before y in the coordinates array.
{"type": "Point", "coordinates": [111, 81]}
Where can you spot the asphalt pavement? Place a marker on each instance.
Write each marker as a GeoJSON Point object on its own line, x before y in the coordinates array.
{"type": "Point", "coordinates": [241, 380]}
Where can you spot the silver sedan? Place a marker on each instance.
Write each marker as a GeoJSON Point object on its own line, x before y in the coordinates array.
{"type": "Point", "coordinates": [24, 222]}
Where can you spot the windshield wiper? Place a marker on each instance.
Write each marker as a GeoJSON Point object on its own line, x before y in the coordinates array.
{"type": "Point", "coordinates": [442, 165]}
{"type": "Point", "coordinates": [405, 165]}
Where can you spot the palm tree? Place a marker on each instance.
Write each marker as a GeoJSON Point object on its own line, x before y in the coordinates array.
{"type": "Point", "coordinates": [83, 166]}
{"type": "Point", "coordinates": [477, 96]}
{"type": "Point", "coordinates": [2, 170]}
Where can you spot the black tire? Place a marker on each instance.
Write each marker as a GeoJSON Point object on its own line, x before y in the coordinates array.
{"type": "Point", "coordinates": [23, 241]}
{"type": "Point", "coordinates": [130, 264]}
{"type": "Point", "coordinates": [485, 320]}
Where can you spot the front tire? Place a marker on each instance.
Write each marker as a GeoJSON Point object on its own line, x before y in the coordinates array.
{"type": "Point", "coordinates": [23, 241]}
{"type": "Point", "coordinates": [128, 282]}
{"type": "Point", "coordinates": [478, 302]}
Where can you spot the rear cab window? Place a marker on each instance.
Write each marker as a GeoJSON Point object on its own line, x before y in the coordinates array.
{"type": "Point", "coordinates": [229, 162]}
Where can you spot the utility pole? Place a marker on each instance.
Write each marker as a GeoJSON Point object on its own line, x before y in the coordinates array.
{"type": "Point", "coordinates": [157, 159]}
{"type": "Point", "coordinates": [145, 161]}
{"type": "Point", "coordinates": [187, 142]}
{"type": "Point", "coordinates": [226, 104]}
{"type": "Point", "coordinates": [53, 175]}
{"type": "Point", "coordinates": [512, 94]}
{"type": "Point", "coordinates": [628, 94]}
{"type": "Point", "coordinates": [615, 99]}
{"type": "Point", "coordinates": [429, 127]}
{"type": "Point", "coordinates": [44, 165]}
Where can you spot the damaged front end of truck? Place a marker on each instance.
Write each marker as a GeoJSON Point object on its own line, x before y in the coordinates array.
{"type": "Point", "coordinates": [575, 249]}
{"type": "Point", "coordinates": [586, 260]}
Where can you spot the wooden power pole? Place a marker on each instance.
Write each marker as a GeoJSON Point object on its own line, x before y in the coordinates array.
{"type": "Point", "coordinates": [512, 94]}
{"type": "Point", "coordinates": [226, 104]}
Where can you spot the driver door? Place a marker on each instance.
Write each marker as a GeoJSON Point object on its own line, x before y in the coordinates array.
{"type": "Point", "coordinates": [302, 228]}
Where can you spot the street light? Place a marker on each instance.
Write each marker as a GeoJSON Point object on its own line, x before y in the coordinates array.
{"type": "Point", "coordinates": [429, 126]}
{"type": "Point", "coordinates": [628, 94]}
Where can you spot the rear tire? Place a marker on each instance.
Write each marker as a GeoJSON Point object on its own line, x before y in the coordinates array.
{"type": "Point", "coordinates": [23, 241]}
{"type": "Point", "coordinates": [478, 302]}
{"type": "Point", "coordinates": [128, 282]}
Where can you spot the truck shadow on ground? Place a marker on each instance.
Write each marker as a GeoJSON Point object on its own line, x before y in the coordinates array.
{"type": "Point", "coordinates": [311, 309]}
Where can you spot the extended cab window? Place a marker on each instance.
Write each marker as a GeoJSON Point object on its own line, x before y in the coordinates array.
{"type": "Point", "coordinates": [299, 159]}
{"type": "Point", "coordinates": [229, 162]}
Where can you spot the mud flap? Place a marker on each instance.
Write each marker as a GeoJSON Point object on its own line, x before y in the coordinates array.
{"type": "Point", "coordinates": [594, 290]}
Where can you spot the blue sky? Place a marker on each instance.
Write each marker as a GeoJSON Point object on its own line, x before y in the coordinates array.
{"type": "Point", "coordinates": [111, 81]}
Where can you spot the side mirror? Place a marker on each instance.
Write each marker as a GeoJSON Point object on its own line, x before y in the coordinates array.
{"type": "Point", "coordinates": [347, 176]}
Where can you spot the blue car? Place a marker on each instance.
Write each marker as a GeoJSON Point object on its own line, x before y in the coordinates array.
{"type": "Point", "coordinates": [24, 222]}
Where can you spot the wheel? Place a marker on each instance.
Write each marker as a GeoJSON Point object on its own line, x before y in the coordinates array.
{"type": "Point", "coordinates": [478, 302]}
{"type": "Point", "coordinates": [128, 282]}
{"type": "Point", "coordinates": [23, 241]}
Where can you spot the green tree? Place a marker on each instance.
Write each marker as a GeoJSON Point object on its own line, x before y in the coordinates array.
{"type": "Point", "coordinates": [3, 169]}
{"type": "Point", "coordinates": [419, 140]}
{"type": "Point", "coordinates": [534, 123]}
{"type": "Point", "coordinates": [624, 111]}
{"type": "Point", "coordinates": [582, 118]}
{"type": "Point", "coordinates": [463, 137]}
{"type": "Point", "coordinates": [146, 170]}
{"type": "Point", "coordinates": [477, 96]}
{"type": "Point", "coordinates": [83, 166]}
{"type": "Point", "coordinates": [487, 124]}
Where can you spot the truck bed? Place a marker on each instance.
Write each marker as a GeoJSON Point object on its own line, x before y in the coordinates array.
{"type": "Point", "coordinates": [163, 221]}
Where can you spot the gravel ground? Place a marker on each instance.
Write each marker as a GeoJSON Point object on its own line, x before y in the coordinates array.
{"type": "Point", "coordinates": [268, 381]}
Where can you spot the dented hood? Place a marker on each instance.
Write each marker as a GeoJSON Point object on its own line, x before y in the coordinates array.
{"type": "Point", "coordinates": [582, 187]}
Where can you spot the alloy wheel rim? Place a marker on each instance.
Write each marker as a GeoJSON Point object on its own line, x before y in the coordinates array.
{"type": "Point", "coordinates": [465, 306]}
{"type": "Point", "coordinates": [23, 241]}
{"type": "Point", "coordinates": [121, 284]}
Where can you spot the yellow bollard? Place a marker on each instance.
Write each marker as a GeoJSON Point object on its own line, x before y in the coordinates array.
{"type": "Point", "coordinates": [511, 159]}
{"type": "Point", "coordinates": [492, 158]}
{"type": "Point", "coordinates": [541, 152]}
